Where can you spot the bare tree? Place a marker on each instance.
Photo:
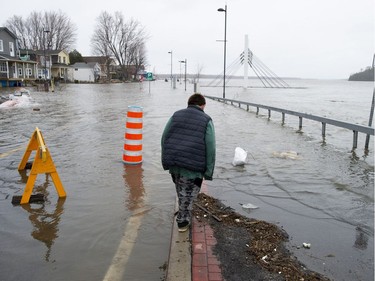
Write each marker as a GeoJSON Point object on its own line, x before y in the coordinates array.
{"type": "Point", "coordinates": [124, 41]}
{"type": "Point", "coordinates": [139, 57]}
{"type": "Point", "coordinates": [44, 29]}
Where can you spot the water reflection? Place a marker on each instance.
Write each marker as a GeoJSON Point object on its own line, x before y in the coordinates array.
{"type": "Point", "coordinates": [44, 221]}
{"type": "Point", "coordinates": [133, 175]}
{"type": "Point", "coordinates": [361, 239]}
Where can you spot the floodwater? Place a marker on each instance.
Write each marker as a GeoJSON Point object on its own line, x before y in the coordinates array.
{"type": "Point", "coordinates": [115, 222]}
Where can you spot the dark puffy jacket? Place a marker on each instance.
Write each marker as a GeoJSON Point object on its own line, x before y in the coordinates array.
{"type": "Point", "coordinates": [184, 144]}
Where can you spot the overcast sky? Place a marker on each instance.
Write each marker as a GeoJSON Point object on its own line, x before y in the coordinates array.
{"type": "Point", "coordinates": [294, 38]}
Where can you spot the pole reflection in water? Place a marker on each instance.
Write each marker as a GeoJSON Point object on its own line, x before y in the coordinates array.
{"type": "Point", "coordinates": [133, 175]}
{"type": "Point", "coordinates": [135, 201]}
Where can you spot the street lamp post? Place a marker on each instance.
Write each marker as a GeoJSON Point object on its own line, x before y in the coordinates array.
{"type": "Point", "coordinates": [180, 71]}
{"type": "Point", "coordinates": [171, 68]}
{"type": "Point", "coordinates": [225, 43]}
{"type": "Point", "coordinates": [184, 62]}
{"type": "Point", "coordinates": [46, 86]}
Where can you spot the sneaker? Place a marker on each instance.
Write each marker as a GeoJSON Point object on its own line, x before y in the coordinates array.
{"type": "Point", "coordinates": [183, 226]}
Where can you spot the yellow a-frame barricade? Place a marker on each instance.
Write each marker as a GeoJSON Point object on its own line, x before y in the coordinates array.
{"type": "Point", "coordinates": [42, 164]}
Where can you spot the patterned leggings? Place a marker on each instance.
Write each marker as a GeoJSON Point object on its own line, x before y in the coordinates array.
{"type": "Point", "coordinates": [187, 191]}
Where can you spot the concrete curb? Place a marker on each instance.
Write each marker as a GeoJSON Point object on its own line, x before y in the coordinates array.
{"type": "Point", "coordinates": [179, 261]}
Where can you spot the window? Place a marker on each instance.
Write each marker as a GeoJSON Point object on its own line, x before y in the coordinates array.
{"type": "Point", "coordinates": [3, 67]}
{"type": "Point", "coordinates": [19, 71]}
{"type": "Point", "coordinates": [1, 46]}
{"type": "Point", "coordinates": [29, 72]}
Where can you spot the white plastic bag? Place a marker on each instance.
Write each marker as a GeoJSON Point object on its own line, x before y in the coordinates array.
{"type": "Point", "coordinates": [240, 157]}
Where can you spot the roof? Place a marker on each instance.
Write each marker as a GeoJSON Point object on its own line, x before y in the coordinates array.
{"type": "Point", "coordinates": [10, 32]}
{"type": "Point", "coordinates": [98, 59]}
{"type": "Point", "coordinates": [41, 52]}
{"type": "Point", "coordinates": [84, 65]}
{"type": "Point", "coordinates": [55, 52]}
{"type": "Point", "coordinates": [28, 52]}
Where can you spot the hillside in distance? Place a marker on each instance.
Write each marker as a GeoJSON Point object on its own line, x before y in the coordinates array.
{"type": "Point", "coordinates": [365, 75]}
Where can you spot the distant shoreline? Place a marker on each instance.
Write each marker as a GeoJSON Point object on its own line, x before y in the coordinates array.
{"type": "Point", "coordinates": [365, 75]}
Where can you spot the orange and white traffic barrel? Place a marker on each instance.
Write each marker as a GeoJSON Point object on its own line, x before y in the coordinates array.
{"type": "Point", "coordinates": [133, 136]}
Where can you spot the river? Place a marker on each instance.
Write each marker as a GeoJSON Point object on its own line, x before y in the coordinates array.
{"type": "Point", "coordinates": [115, 222]}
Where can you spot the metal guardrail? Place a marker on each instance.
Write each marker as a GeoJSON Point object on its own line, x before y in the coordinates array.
{"type": "Point", "coordinates": [353, 127]}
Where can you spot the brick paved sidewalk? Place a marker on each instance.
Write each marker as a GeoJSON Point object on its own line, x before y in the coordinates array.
{"type": "Point", "coordinates": [205, 266]}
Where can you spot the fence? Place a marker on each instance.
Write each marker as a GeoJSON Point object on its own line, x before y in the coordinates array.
{"type": "Point", "coordinates": [355, 128]}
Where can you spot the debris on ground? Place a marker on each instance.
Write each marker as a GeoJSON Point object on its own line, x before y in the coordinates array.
{"type": "Point", "coordinates": [250, 249]}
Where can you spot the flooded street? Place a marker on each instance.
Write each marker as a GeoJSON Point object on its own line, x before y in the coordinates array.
{"type": "Point", "coordinates": [115, 223]}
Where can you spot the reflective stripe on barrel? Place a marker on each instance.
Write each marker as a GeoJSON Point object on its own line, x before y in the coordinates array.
{"type": "Point", "coordinates": [134, 113]}
{"type": "Point", "coordinates": [133, 147]}
{"type": "Point", "coordinates": [133, 136]}
{"type": "Point", "coordinates": [134, 123]}
{"type": "Point", "coordinates": [132, 159]}
{"type": "Point", "coordinates": [130, 136]}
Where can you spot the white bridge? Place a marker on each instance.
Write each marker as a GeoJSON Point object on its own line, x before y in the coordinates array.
{"type": "Point", "coordinates": [247, 60]}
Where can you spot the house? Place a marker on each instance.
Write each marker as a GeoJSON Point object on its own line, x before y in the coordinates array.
{"type": "Point", "coordinates": [86, 72]}
{"type": "Point", "coordinates": [50, 64]}
{"type": "Point", "coordinates": [60, 64]}
{"type": "Point", "coordinates": [106, 63]}
{"type": "Point", "coordinates": [43, 60]}
{"type": "Point", "coordinates": [15, 69]}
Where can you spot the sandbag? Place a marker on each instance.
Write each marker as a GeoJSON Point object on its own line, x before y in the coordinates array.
{"type": "Point", "coordinates": [240, 157]}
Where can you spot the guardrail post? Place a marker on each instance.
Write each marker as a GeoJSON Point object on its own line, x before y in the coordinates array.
{"type": "Point", "coordinates": [283, 118]}
{"type": "Point", "coordinates": [355, 139]}
{"type": "Point", "coordinates": [300, 123]}
{"type": "Point", "coordinates": [247, 107]}
{"type": "Point", "coordinates": [257, 110]}
{"type": "Point", "coordinates": [324, 130]}
{"type": "Point", "coordinates": [371, 115]}
{"type": "Point", "coordinates": [269, 114]}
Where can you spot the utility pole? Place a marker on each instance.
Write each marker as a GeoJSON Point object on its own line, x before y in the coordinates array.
{"type": "Point", "coordinates": [372, 109]}
{"type": "Point", "coordinates": [46, 85]}
{"type": "Point", "coordinates": [225, 44]}
{"type": "Point", "coordinates": [171, 52]}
